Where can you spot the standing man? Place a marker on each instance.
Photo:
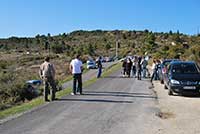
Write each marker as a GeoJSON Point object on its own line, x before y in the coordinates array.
{"type": "Point", "coordinates": [144, 67]}
{"type": "Point", "coordinates": [139, 68]}
{"type": "Point", "coordinates": [154, 68]}
{"type": "Point", "coordinates": [76, 68]}
{"type": "Point", "coordinates": [128, 66]}
{"type": "Point", "coordinates": [47, 74]}
{"type": "Point", "coordinates": [99, 65]}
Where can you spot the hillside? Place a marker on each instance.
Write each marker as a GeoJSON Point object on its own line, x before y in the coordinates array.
{"type": "Point", "coordinates": [21, 57]}
{"type": "Point", "coordinates": [161, 45]}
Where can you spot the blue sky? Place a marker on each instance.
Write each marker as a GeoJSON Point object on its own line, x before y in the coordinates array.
{"type": "Point", "coordinates": [27, 18]}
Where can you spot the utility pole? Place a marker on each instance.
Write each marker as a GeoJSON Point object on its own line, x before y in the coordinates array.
{"type": "Point", "coordinates": [117, 44]}
{"type": "Point", "coordinates": [48, 38]}
{"type": "Point", "coordinates": [116, 53]}
{"type": "Point", "coordinates": [49, 49]}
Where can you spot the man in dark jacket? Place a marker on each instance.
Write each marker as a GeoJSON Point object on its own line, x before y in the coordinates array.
{"type": "Point", "coordinates": [99, 65]}
{"type": "Point", "coordinates": [128, 66]}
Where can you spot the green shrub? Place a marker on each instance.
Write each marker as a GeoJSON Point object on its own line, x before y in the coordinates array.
{"type": "Point", "coordinates": [57, 48]}
{"type": "Point", "coordinates": [13, 89]}
{"type": "Point", "coordinates": [4, 64]}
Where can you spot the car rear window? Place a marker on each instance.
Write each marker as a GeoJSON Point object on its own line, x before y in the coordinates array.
{"type": "Point", "coordinates": [91, 63]}
{"type": "Point", "coordinates": [184, 68]}
{"type": "Point", "coordinates": [165, 63]}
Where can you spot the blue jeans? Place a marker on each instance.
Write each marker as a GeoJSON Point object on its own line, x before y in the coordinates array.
{"type": "Point", "coordinates": [133, 71]}
{"type": "Point", "coordinates": [154, 76]}
{"type": "Point", "coordinates": [144, 70]}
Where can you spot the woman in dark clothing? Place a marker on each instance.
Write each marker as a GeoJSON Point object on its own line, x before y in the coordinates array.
{"type": "Point", "coordinates": [134, 63]}
{"type": "Point", "coordinates": [99, 65]}
{"type": "Point", "coordinates": [139, 67]}
{"type": "Point", "coordinates": [128, 67]}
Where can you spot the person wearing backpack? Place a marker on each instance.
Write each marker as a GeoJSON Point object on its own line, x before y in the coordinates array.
{"type": "Point", "coordinates": [47, 74]}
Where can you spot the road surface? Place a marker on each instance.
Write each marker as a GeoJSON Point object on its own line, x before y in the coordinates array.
{"type": "Point", "coordinates": [89, 74]}
{"type": "Point", "coordinates": [112, 105]}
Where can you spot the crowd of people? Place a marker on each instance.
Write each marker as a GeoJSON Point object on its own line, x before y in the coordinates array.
{"type": "Point", "coordinates": [134, 66]}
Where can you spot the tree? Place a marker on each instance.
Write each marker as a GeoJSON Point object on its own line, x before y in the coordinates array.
{"type": "Point", "coordinates": [177, 38]}
{"type": "Point", "coordinates": [124, 36]}
{"type": "Point", "coordinates": [90, 49]}
{"type": "Point", "coordinates": [118, 44]}
{"type": "Point", "coordinates": [170, 32]}
{"type": "Point", "coordinates": [146, 31]}
{"type": "Point", "coordinates": [57, 48]}
{"type": "Point", "coordinates": [150, 38]}
{"type": "Point", "coordinates": [46, 45]}
{"type": "Point", "coordinates": [165, 48]}
{"type": "Point", "coordinates": [107, 46]}
{"type": "Point", "coordinates": [48, 35]}
{"type": "Point", "coordinates": [150, 42]}
{"type": "Point", "coordinates": [133, 45]}
{"type": "Point", "coordinates": [64, 35]}
{"type": "Point", "coordinates": [178, 32]}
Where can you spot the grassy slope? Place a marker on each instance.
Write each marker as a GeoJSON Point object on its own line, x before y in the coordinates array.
{"type": "Point", "coordinates": [39, 101]}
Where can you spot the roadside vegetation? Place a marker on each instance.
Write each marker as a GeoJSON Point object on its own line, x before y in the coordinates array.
{"type": "Point", "coordinates": [21, 57]}
{"type": "Point", "coordinates": [17, 109]}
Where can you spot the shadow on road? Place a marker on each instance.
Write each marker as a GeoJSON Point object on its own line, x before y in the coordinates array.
{"type": "Point", "coordinates": [95, 100]}
{"type": "Point", "coordinates": [119, 94]}
{"type": "Point", "coordinates": [107, 92]}
{"type": "Point", "coordinates": [119, 77]}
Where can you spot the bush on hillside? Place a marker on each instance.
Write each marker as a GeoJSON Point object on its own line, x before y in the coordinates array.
{"type": "Point", "coordinates": [13, 89]}
{"type": "Point", "coordinates": [57, 48]}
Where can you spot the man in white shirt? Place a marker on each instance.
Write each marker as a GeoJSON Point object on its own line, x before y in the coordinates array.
{"type": "Point", "coordinates": [76, 68]}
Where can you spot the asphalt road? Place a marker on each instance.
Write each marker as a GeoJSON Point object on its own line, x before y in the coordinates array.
{"type": "Point", "coordinates": [112, 105]}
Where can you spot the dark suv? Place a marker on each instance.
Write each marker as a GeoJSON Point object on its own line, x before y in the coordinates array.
{"type": "Point", "coordinates": [183, 77]}
{"type": "Point", "coordinates": [163, 68]}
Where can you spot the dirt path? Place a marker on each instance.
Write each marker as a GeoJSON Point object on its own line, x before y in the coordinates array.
{"type": "Point", "coordinates": [180, 115]}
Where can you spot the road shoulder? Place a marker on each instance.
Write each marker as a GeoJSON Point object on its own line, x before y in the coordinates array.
{"type": "Point", "coordinates": [179, 114]}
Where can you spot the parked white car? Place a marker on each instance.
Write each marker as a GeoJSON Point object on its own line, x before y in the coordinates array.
{"type": "Point", "coordinates": [91, 65]}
